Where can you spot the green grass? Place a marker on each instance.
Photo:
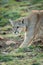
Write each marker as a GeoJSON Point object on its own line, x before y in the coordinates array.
{"type": "Point", "coordinates": [22, 57]}
{"type": "Point", "coordinates": [14, 10]}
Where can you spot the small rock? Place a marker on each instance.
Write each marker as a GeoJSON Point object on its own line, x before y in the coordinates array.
{"type": "Point", "coordinates": [1, 38]}
{"type": "Point", "coordinates": [10, 42]}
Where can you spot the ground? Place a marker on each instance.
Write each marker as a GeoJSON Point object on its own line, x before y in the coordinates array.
{"type": "Point", "coordinates": [32, 55]}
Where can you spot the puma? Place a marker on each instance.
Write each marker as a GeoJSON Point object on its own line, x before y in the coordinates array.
{"type": "Point", "coordinates": [33, 25]}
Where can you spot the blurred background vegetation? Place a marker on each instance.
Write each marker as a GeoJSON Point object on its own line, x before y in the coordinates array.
{"type": "Point", "coordinates": [15, 9]}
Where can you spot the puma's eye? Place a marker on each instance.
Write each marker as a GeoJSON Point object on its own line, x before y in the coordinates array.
{"type": "Point", "coordinates": [23, 21]}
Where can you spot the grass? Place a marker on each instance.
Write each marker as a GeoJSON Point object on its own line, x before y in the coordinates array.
{"type": "Point", "coordinates": [22, 57]}
{"type": "Point", "coordinates": [14, 10]}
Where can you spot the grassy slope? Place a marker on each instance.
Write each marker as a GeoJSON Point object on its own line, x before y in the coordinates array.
{"type": "Point", "coordinates": [23, 57]}
{"type": "Point", "coordinates": [12, 9]}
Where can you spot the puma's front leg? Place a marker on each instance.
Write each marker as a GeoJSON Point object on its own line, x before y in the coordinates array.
{"type": "Point", "coordinates": [29, 34]}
